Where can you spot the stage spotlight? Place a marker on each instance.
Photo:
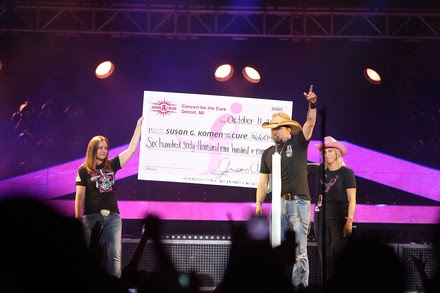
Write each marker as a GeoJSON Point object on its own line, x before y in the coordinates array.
{"type": "Point", "coordinates": [104, 70]}
{"type": "Point", "coordinates": [372, 76]}
{"type": "Point", "coordinates": [251, 74]}
{"type": "Point", "coordinates": [224, 72]}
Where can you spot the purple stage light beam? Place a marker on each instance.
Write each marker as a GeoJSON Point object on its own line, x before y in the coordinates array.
{"type": "Point", "coordinates": [54, 182]}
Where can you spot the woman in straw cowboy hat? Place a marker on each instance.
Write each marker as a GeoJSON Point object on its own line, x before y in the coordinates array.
{"type": "Point", "coordinates": [291, 142]}
{"type": "Point", "coordinates": [336, 202]}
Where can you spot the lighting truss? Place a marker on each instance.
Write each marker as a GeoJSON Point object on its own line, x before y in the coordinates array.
{"type": "Point", "coordinates": [174, 21]}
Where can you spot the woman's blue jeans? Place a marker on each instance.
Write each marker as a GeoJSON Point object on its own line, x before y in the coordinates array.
{"type": "Point", "coordinates": [111, 237]}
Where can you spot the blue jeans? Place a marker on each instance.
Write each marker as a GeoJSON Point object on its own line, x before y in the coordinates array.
{"type": "Point", "coordinates": [295, 215]}
{"type": "Point", "coordinates": [111, 237]}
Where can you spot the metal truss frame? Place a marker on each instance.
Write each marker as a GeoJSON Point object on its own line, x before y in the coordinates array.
{"type": "Point", "coordinates": [174, 21]}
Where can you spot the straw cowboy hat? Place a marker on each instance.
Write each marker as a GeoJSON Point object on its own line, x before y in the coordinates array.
{"type": "Point", "coordinates": [330, 142]}
{"type": "Point", "coordinates": [282, 119]}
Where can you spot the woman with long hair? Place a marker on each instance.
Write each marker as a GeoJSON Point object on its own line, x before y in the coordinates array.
{"type": "Point", "coordinates": [95, 199]}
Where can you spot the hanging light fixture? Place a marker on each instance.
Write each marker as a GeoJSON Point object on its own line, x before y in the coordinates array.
{"type": "Point", "coordinates": [251, 74]}
{"type": "Point", "coordinates": [372, 76]}
{"type": "Point", "coordinates": [104, 69]}
{"type": "Point", "coordinates": [224, 72]}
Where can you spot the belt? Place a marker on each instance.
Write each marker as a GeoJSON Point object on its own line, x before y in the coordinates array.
{"type": "Point", "coordinates": [288, 196]}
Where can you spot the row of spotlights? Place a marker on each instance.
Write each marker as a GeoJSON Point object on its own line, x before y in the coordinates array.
{"type": "Point", "coordinates": [226, 71]}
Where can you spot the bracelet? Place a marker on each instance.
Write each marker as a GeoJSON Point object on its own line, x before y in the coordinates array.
{"type": "Point", "coordinates": [312, 105]}
{"type": "Point", "coordinates": [350, 219]}
{"type": "Point", "coordinates": [259, 203]}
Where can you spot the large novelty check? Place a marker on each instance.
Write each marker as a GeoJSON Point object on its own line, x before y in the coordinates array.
{"type": "Point", "coordinates": [205, 139]}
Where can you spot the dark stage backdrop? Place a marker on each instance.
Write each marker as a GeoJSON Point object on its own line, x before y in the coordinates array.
{"type": "Point", "coordinates": [396, 124]}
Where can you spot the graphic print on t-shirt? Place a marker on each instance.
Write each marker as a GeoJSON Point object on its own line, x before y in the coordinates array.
{"type": "Point", "coordinates": [329, 184]}
{"type": "Point", "coordinates": [104, 180]}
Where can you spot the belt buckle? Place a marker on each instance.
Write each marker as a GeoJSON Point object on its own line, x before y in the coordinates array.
{"type": "Point", "coordinates": [105, 213]}
{"type": "Point", "coordinates": [287, 196]}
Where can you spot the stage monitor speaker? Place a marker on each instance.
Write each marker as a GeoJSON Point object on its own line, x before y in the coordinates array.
{"type": "Point", "coordinates": [207, 258]}
{"type": "Point", "coordinates": [428, 254]}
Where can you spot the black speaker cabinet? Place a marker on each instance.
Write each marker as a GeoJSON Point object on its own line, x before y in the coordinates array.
{"type": "Point", "coordinates": [428, 253]}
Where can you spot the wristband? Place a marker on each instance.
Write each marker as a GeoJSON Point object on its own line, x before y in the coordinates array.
{"type": "Point", "coordinates": [259, 203]}
{"type": "Point", "coordinates": [312, 105]}
{"type": "Point", "coordinates": [350, 219]}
